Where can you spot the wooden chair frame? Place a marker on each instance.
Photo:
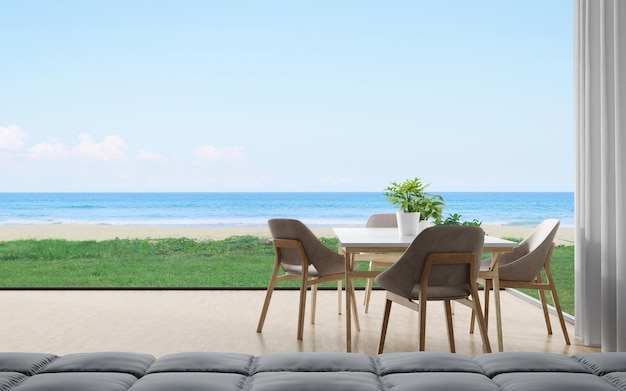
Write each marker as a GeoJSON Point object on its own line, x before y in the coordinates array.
{"type": "Point", "coordinates": [376, 260]}
{"type": "Point", "coordinates": [491, 280]}
{"type": "Point", "coordinates": [305, 282]}
{"type": "Point", "coordinates": [420, 305]}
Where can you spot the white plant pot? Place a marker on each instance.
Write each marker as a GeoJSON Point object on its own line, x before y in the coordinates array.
{"type": "Point", "coordinates": [423, 225]}
{"type": "Point", "coordinates": [408, 223]}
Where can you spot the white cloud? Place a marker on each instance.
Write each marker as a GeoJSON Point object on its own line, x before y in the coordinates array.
{"type": "Point", "coordinates": [12, 138]}
{"type": "Point", "coordinates": [52, 149]}
{"type": "Point", "coordinates": [209, 152]}
{"type": "Point", "coordinates": [147, 155]}
{"type": "Point", "coordinates": [112, 148]}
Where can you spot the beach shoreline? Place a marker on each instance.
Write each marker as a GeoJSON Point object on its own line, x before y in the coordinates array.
{"type": "Point", "coordinates": [99, 232]}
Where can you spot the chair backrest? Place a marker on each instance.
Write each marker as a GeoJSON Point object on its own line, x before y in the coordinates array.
{"type": "Point", "coordinates": [404, 276]}
{"type": "Point", "coordinates": [382, 220]}
{"type": "Point", "coordinates": [526, 261]}
{"type": "Point", "coordinates": [325, 260]}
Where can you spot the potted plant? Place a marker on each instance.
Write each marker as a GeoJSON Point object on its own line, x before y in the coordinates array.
{"type": "Point", "coordinates": [414, 204]}
{"type": "Point", "coordinates": [455, 219]}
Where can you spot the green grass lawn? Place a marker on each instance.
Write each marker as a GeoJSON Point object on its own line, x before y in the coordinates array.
{"type": "Point", "coordinates": [236, 262]}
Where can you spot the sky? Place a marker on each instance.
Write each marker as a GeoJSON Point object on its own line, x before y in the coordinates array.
{"type": "Point", "coordinates": [266, 95]}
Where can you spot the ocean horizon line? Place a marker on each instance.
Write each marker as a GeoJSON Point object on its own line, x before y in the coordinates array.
{"type": "Point", "coordinates": [277, 192]}
{"type": "Point", "coordinates": [253, 209]}
{"type": "Point", "coordinates": [237, 225]}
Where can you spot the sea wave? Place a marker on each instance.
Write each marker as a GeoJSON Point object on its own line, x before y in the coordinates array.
{"type": "Point", "coordinates": [254, 209]}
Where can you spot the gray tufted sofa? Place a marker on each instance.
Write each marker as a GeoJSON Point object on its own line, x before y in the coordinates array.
{"type": "Point", "coordinates": [195, 371]}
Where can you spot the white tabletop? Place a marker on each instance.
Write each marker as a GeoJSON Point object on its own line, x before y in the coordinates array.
{"type": "Point", "coordinates": [390, 237]}
{"type": "Point", "coordinates": [372, 237]}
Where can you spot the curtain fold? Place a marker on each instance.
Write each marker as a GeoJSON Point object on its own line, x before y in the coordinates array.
{"type": "Point", "coordinates": [600, 193]}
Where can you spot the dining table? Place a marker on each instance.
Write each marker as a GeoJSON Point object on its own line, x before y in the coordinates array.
{"type": "Point", "coordinates": [388, 240]}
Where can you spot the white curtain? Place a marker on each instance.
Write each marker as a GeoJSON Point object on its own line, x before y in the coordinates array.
{"type": "Point", "coordinates": [600, 194]}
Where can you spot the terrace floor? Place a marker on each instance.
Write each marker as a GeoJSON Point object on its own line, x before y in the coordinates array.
{"type": "Point", "coordinates": [160, 322]}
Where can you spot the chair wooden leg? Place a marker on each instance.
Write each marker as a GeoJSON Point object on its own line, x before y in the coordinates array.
{"type": "Point", "coordinates": [355, 313]}
{"type": "Point", "coordinates": [544, 307]}
{"type": "Point", "coordinates": [383, 331]}
{"type": "Point", "coordinates": [496, 296]}
{"type": "Point", "coordinates": [339, 286]}
{"type": "Point", "coordinates": [268, 298]}
{"type": "Point", "coordinates": [482, 325]}
{"type": "Point", "coordinates": [544, 304]}
{"type": "Point", "coordinates": [488, 287]}
{"type": "Point", "coordinates": [557, 304]}
{"type": "Point", "coordinates": [448, 307]}
{"type": "Point", "coordinates": [302, 306]}
{"type": "Point", "coordinates": [422, 326]}
{"type": "Point", "coordinates": [313, 303]}
{"type": "Point", "coordinates": [368, 289]}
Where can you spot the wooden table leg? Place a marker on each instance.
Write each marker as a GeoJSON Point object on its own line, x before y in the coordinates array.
{"type": "Point", "coordinates": [496, 291]}
{"type": "Point", "coordinates": [348, 304]}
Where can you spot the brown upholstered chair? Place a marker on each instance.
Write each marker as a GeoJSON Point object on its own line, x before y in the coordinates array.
{"type": "Point", "coordinates": [441, 264]}
{"type": "Point", "coordinates": [521, 269]}
{"type": "Point", "coordinates": [301, 255]}
{"type": "Point", "coordinates": [377, 260]}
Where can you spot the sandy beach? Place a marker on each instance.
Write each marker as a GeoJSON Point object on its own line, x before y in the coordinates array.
{"type": "Point", "coordinates": [565, 236]}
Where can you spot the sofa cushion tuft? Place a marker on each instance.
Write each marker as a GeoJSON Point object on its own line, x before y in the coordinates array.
{"type": "Point", "coordinates": [617, 379]}
{"type": "Point", "coordinates": [439, 381]}
{"type": "Point", "coordinates": [203, 362]}
{"type": "Point", "coordinates": [505, 362]}
{"type": "Point", "coordinates": [77, 381]}
{"type": "Point", "coordinates": [315, 381]}
{"type": "Point", "coordinates": [602, 363]}
{"type": "Point", "coordinates": [26, 363]}
{"type": "Point", "coordinates": [191, 381]}
{"type": "Point", "coordinates": [134, 364]}
{"type": "Point", "coordinates": [425, 362]}
{"type": "Point", "coordinates": [552, 381]}
{"type": "Point", "coordinates": [8, 380]}
{"type": "Point", "coordinates": [314, 362]}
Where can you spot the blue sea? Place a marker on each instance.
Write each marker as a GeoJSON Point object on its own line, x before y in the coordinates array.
{"type": "Point", "coordinates": [254, 209]}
